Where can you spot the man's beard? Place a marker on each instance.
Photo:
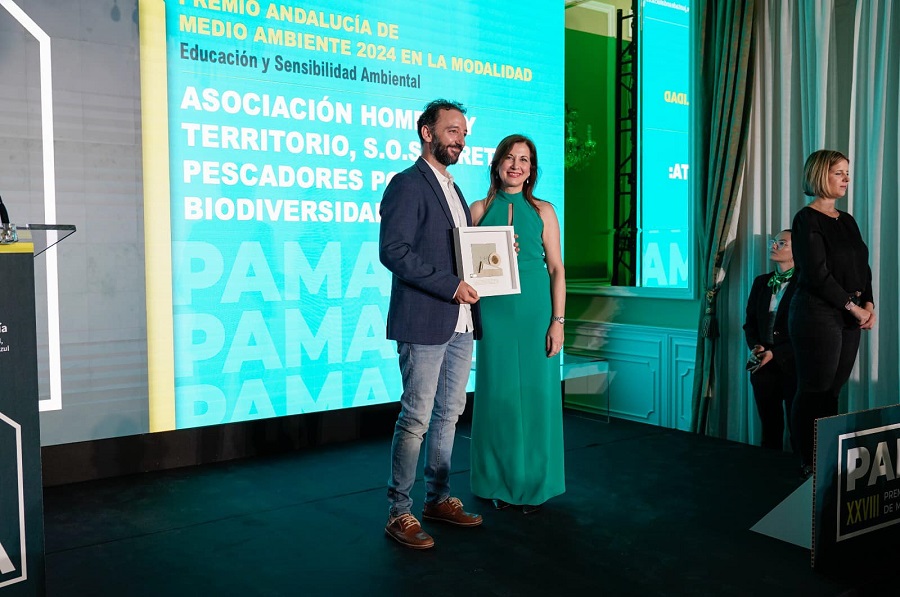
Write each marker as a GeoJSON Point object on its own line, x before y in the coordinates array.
{"type": "Point", "coordinates": [442, 154]}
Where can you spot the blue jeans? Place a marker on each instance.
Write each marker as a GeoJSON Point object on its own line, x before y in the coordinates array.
{"type": "Point", "coordinates": [434, 396]}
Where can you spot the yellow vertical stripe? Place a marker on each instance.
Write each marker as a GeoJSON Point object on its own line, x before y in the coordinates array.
{"type": "Point", "coordinates": [157, 217]}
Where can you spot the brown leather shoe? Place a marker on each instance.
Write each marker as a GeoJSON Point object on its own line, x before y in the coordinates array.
{"type": "Point", "coordinates": [406, 530]}
{"type": "Point", "coordinates": [451, 510]}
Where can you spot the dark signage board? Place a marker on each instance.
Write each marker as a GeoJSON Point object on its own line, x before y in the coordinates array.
{"type": "Point", "coordinates": [857, 487]}
{"type": "Point", "coordinates": [21, 501]}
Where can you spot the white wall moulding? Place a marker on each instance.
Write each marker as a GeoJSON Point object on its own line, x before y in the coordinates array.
{"type": "Point", "coordinates": [651, 371]}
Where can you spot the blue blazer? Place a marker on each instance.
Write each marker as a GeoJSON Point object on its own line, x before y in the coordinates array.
{"type": "Point", "coordinates": [416, 245]}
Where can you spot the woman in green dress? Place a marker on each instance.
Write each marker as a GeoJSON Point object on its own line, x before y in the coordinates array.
{"type": "Point", "coordinates": [517, 433]}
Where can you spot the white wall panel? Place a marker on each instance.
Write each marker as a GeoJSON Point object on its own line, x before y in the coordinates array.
{"type": "Point", "coordinates": [650, 369]}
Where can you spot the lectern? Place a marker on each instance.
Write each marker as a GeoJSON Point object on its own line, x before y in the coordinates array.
{"type": "Point", "coordinates": [21, 501]}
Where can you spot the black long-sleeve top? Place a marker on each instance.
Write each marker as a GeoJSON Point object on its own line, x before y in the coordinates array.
{"type": "Point", "coordinates": [830, 257]}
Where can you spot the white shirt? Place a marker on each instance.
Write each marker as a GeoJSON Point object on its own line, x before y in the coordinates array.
{"type": "Point", "coordinates": [464, 323]}
{"type": "Point", "coordinates": [777, 295]}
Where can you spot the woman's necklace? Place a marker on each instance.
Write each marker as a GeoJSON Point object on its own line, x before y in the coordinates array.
{"type": "Point", "coordinates": [833, 213]}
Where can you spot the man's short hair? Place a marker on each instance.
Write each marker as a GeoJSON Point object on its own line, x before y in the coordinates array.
{"type": "Point", "coordinates": [432, 111]}
{"type": "Point", "coordinates": [815, 172]}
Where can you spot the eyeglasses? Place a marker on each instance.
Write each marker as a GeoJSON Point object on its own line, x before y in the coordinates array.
{"type": "Point", "coordinates": [779, 243]}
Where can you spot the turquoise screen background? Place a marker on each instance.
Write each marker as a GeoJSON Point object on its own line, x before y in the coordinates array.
{"type": "Point", "coordinates": [286, 121]}
{"type": "Point", "coordinates": [665, 143]}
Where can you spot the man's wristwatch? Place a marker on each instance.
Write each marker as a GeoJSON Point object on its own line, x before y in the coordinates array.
{"type": "Point", "coordinates": [559, 319]}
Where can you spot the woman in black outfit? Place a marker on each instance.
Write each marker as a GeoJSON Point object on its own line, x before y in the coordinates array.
{"type": "Point", "coordinates": [771, 363]}
{"type": "Point", "coordinates": [834, 298]}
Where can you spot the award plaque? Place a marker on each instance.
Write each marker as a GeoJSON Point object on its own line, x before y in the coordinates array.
{"type": "Point", "coordinates": [486, 259]}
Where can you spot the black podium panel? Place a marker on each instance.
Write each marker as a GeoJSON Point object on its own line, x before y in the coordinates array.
{"type": "Point", "coordinates": [857, 491]}
{"type": "Point", "coordinates": [21, 502]}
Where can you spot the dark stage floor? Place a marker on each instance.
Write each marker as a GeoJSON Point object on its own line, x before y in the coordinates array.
{"type": "Point", "coordinates": [647, 511]}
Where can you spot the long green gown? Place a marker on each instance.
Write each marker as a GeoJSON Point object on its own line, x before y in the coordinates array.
{"type": "Point", "coordinates": [517, 432]}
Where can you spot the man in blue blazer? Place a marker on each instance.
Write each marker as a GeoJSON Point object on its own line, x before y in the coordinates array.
{"type": "Point", "coordinates": [433, 317]}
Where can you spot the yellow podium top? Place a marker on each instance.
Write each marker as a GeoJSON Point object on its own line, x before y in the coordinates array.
{"type": "Point", "coordinates": [19, 247]}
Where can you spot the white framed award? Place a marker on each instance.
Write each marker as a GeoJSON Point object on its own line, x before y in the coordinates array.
{"type": "Point", "coordinates": [486, 259]}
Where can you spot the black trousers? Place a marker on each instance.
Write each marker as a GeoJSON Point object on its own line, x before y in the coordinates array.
{"type": "Point", "coordinates": [774, 386]}
{"type": "Point", "coordinates": [825, 341]}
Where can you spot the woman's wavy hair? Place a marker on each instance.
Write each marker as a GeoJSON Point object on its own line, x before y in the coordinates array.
{"type": "Point", "coordinates": [500, 154]}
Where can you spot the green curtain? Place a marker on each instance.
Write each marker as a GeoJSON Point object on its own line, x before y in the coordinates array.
{"type": "Point", "coordinates": [724, 86]}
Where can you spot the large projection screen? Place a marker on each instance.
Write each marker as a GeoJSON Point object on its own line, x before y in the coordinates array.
{"type": "Point", "coordinates": [665, 213]}
{"type": "Point", "coordinates": [270, 131]}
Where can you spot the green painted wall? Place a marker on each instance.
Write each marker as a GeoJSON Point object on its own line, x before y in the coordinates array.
{"type": "Point", "coordinates": [590, 72]}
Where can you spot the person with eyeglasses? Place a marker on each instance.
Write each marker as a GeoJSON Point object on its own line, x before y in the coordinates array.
{"type": "Point", "coordinates": [771, 362]}
{"type": "Point", "coordinates": [834, 299]}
